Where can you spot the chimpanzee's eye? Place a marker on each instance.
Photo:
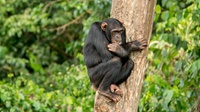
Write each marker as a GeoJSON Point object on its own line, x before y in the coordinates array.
{"type": "Point", "coordinates": [121, 31]}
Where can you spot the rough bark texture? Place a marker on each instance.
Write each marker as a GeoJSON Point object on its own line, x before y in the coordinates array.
{"type": "Point", "coordinates": [137, 16]}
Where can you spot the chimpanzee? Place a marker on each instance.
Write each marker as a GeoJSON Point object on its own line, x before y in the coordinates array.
{"type": "Point", "coordinates": [106, 55]}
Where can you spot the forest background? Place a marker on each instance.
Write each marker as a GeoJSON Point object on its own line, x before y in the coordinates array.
{"type": "Point", "coordinates": [41, 60]}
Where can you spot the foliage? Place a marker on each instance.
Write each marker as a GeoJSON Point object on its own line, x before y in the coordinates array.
{"type": "Point", "coordinates": [172, 80]}
{"type": "Point", "coordinates": [38, 34]}
{"type": "Point", "coordinates": [41, 61]}
{"type": "Point", "coordinates": [69, 93]}
{"type": "Point", "coordinates": [41, 65]}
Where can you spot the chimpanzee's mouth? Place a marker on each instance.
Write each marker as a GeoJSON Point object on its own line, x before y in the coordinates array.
{"type": "Point", "coordinates": [118, 43]}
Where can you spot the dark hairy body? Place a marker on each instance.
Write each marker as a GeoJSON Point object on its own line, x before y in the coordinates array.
{"type": "Point", "coordinates": [106, 55]}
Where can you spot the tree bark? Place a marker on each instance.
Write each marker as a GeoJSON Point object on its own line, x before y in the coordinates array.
{"type": "Point", "coordinates": [137, 17]}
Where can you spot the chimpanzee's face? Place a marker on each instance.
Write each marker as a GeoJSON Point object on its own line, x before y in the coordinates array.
{"type": "Point", "coordinates": [114, 31]}
{"type": "Point", "coordinates": [116, 35]}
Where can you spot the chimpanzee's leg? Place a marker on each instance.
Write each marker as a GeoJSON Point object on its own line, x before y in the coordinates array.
{"type": "Point", "coordinates": [97, 73]}
{"type": "Point", "coordinates": [121, 77]}
{"type": "Point", "coordinates": [106, 86]}
{"type": "Point", "coordinates": [125, 72]}
{"type": "Point", "coordinates": [102, 75]}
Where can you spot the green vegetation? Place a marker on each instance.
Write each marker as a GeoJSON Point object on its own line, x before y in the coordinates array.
{"type": "Point", "coordinates": [41, 61]}
{"type": "Point", "coordinates": [172, 80]}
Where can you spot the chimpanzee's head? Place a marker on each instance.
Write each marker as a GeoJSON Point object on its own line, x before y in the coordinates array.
{"type": "Point", "coordinates": [114, 30]}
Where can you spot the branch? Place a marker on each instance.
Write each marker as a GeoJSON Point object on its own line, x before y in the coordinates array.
{"type": "Point", "coordinates": [62, 28]}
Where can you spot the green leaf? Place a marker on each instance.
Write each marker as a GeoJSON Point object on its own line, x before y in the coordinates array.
{"type": "Point", "coordinates": [182, 4]}
{"type": "Point", "coordinates": [165, 15]}
{"type": "Point", "coordinates": [172, 20]}
{"type": "Point", "coordinates": [164, 53]}
{"type": "Point", "coordinates": [167, 96]}
{"type": "Point", "coordinates": [178, 65]}
{"type": "Point", "coordinates": [3, 97]}
{"type": "Point", "coordinates": [36, 104]}
{"type": "Point", "coordinates": [69, 100]}
{"type": "Point", "coordinates": [3, 51]}
{"type": "Point", "coordinates": [8, 104]}
{"type": "Point", "coordinates": [79, 109]}
{"type": "Point", "coordinates": [21, 96]}
{"type": "Point", "coordinates": [158, 9]}
{"type": "Point", "coordinates": [179, 15]}
{"type": "Point", "coordinates": [164, 2]}
{"type": "Point", "coordinates": [12, 110]}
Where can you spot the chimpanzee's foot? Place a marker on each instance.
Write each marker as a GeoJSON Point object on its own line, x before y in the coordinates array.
{"type": "Point", "coordinates": [115, 89]}
{"type": "Point", "coordinates": [110, 95]}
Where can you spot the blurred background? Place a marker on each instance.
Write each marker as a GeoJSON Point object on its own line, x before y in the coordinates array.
{"type": "Point", "coordinates": [41, 60]}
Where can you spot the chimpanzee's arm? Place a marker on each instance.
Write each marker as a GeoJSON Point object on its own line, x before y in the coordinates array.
{"type": "Point", "coordinates": [118, 50]}
{"type": "Point", "coordinates": [125, 49]}
{"type": "Point", "coordinates": [102, 50]}
{"type": "Point", "coordinates": [135, 45]}
{"type": "Point", "coordinates": [99, 42]}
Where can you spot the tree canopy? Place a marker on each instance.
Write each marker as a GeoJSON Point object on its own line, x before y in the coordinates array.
{"type": "Point", "coordinates": [41, 60]}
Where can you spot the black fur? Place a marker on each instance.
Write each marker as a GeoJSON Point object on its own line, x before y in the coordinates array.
{"type": "Point", "coordinates": [104, 67]}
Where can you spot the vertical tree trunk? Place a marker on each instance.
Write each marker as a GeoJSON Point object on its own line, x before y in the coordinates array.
{"type": "Point", "coordinates": [137, 16]}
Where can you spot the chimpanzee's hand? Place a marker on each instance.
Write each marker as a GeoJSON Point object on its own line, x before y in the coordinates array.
{"type": "Point", "coordinates": [117, 49]}
{"type": "Point", "coordinates": [139, 45]}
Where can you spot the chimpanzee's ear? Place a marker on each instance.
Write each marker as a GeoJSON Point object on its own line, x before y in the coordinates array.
{"type": "Point", "coordinates": [104, 26]}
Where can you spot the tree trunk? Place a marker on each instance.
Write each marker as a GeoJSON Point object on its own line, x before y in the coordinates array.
{"type": "Point", "coordinates": [137, 17]}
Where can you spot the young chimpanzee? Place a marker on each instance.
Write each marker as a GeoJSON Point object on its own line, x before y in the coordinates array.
{"type": "Point", "coordinates": [106, 55]}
